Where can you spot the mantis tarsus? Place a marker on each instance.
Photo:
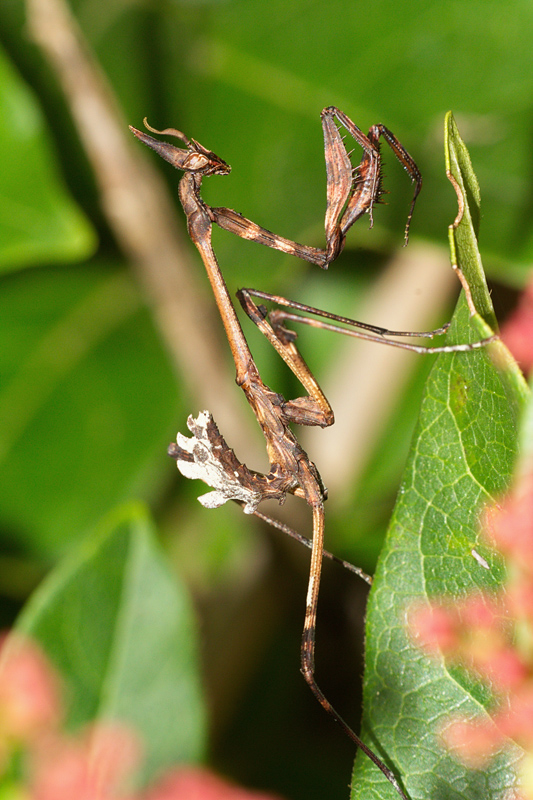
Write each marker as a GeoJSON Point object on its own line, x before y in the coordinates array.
{"type": "Point", "coordinates": [206, 456]}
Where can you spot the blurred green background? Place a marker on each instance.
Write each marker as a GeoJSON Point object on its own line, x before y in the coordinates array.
{"type": "Point", "coordinates": [91, 391]}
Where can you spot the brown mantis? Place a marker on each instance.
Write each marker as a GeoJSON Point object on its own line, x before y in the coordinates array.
{"type": "Point", "coordinates": [206, 456]}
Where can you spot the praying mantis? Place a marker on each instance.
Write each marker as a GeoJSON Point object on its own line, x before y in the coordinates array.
{"type": "Point", "coordinates": [351, 193]}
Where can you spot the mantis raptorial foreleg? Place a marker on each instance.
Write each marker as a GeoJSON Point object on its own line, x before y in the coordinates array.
{"type": "Point", "coordinates": [351, 192]}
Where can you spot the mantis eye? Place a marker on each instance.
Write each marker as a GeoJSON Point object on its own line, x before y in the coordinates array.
{"type": "Point", "coordinates": [196, 161]}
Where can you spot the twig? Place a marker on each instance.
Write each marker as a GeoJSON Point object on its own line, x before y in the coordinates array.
{"type": "Point", "coordinates": [141, 214]}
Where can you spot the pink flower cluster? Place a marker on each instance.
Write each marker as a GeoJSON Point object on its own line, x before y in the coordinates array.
{"type": "Point", "coordinates": [517, 332]}
{"type": "Point", "coordinates": [39, 761]}
{"type": "Point", "coordinates": [492, 635]}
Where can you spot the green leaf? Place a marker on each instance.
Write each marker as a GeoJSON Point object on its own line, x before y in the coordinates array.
{"type": "Point", "coordinates": [39, 222]}
{"type": "Point", "coordinates": [465, 253]}
{"type": "Point", "coordinates": [87, 403]}
{"type": "Point", "coordinates": [526, 442]}
{"type": "Point", "coordinates": [462, 456]}
{"type": "Point", "coordinates": [120, 629]}
{"type": "Point", "coordinates": [463, 233]}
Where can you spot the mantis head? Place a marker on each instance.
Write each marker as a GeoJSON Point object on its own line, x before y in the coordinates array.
{"type": "Point", "coordinates": [195, 158]}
